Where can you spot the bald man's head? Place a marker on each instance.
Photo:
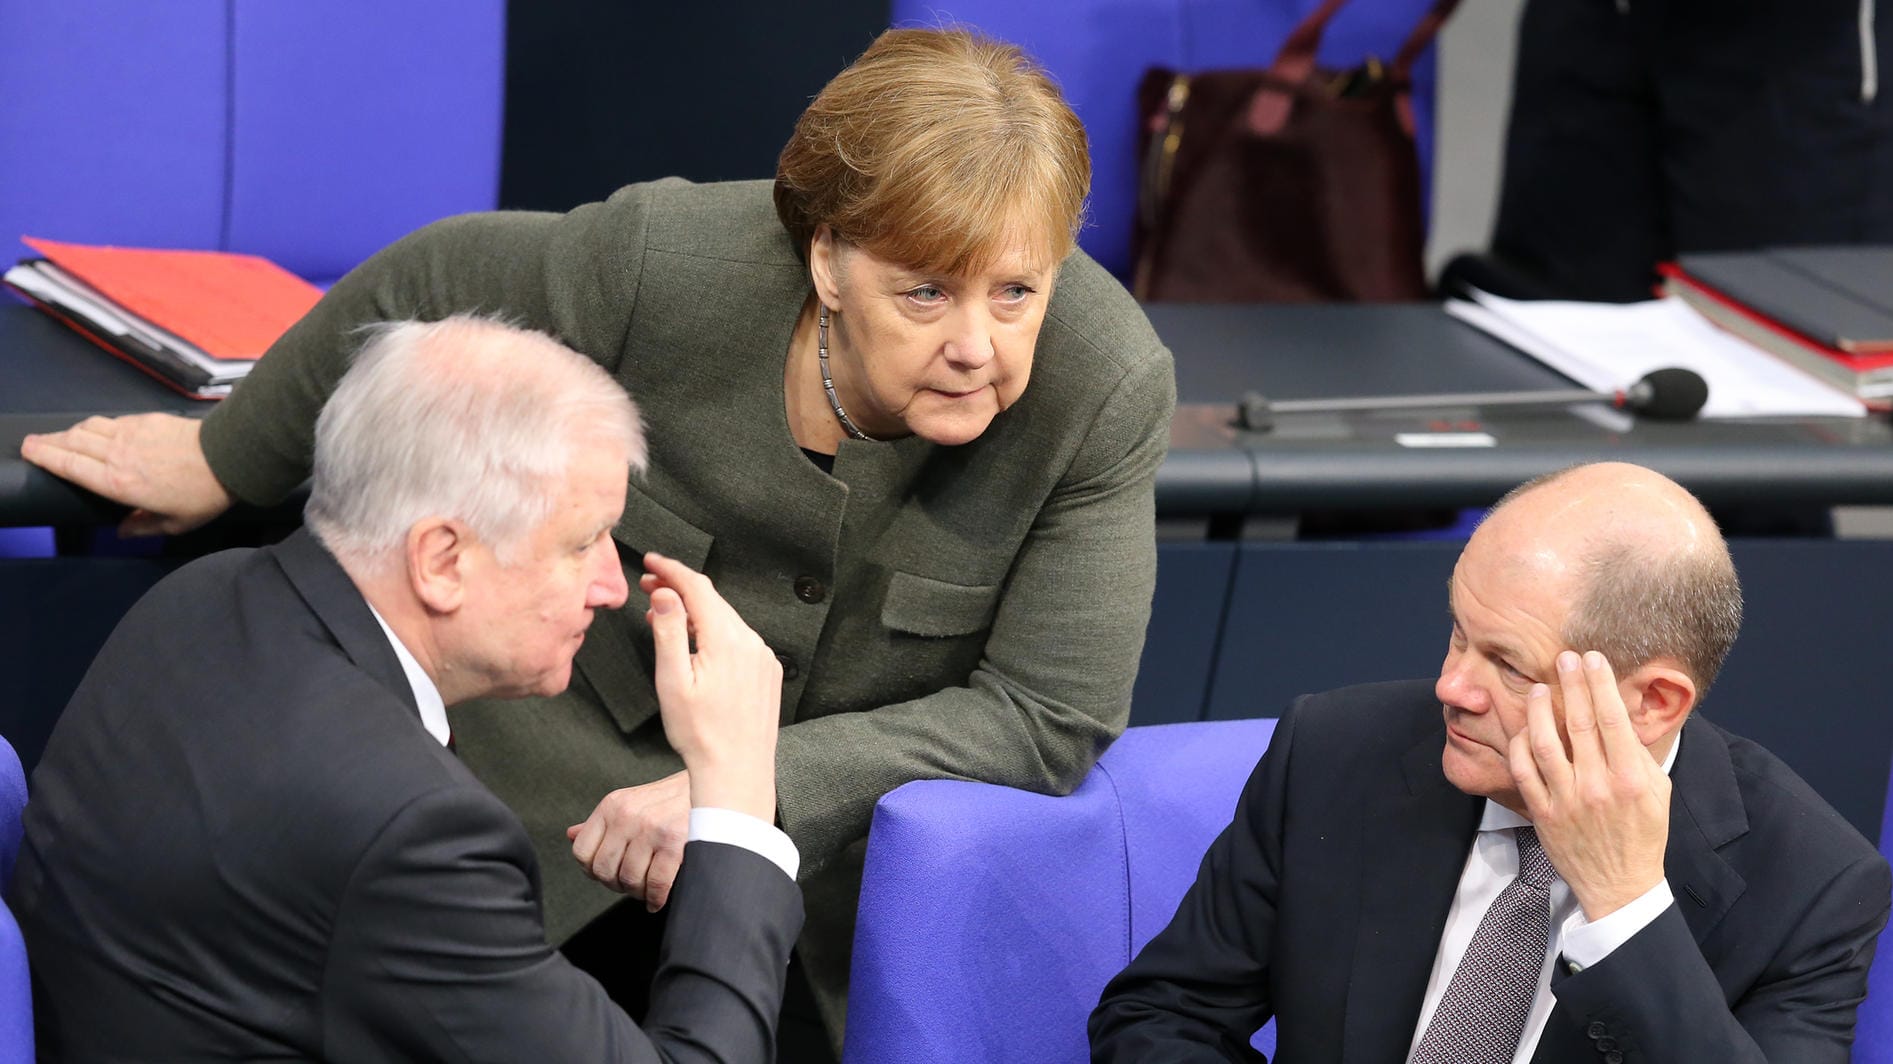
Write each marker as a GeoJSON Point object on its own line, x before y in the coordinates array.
{"type": "Point", "coordinates": [1642, 568]}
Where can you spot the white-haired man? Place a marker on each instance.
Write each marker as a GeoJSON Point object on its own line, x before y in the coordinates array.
{"type": "Point", "coordinates": [249, 837]}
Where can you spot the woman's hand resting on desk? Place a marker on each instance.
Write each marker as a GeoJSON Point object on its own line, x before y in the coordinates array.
{"type": "Point", "coordinates": [152, 463]}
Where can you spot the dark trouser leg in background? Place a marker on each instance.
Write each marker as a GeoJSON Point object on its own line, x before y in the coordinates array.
{"type": "Point", "coordinates": [619, 949]}
{"type": "Point", "coordinates": [1647, 128]}
{"type": "Point", "coordinates": [1580, 207]}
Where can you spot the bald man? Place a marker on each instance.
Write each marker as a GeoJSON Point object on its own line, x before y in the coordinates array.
{"type": "Point", "coordinates": [1543, 855]}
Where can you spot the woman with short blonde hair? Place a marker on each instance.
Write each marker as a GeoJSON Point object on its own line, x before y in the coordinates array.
{"type": "Point", "coordinates": [932, 148]}
{"type": "Point", "coordinates": [909, 432]}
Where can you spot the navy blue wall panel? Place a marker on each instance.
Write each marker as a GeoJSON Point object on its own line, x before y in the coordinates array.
{"type": "Point", "coordinates": [54, 616]}
{"type": "Point", "coordinates": [1310, 616]}
{"type": "Point", "coordinates": [1806, 678]}
{"type": "Point", "coordinates": [1185, 628]}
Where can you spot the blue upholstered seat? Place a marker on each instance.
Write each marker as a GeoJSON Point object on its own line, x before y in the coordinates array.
{"type": "Point", "coordinates": [991, 918]}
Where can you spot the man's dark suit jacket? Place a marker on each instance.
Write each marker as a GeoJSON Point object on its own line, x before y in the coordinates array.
{"type": "Point", "coordinates": [1323, 902]}
{"type": "Point", "coordinates": [242, 844]}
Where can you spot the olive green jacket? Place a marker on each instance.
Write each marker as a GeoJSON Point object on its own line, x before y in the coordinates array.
{"type": "Point", "coordinates": [971, 612]}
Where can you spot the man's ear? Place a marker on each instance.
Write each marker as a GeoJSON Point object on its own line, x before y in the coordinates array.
{"type": "Point", "coordinates": [436, 557]}
{"type": "Point", "coordinates": [1659, 696]}
{"type": "Point", "coordinates": [824, 266]}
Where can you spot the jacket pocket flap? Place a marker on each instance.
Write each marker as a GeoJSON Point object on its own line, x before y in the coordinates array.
{"type": "Point", "coordinates": [921, 605]}
{"type": "Point", "coordinates": [616, 655]}
{"type": "Point", "coordinates": [648, 525]}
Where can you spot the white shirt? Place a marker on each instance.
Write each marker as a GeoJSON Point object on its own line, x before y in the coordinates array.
{"type": "Point", "coordinates": [426, 695]}
{"type": "Point", "coordinates": [1492, 864]}
{"type": "Point", "coordinates": [707, 823]}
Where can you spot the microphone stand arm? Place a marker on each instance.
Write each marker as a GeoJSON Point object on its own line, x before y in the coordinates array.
{"type": "Point", "coordinates": [1256, 412]}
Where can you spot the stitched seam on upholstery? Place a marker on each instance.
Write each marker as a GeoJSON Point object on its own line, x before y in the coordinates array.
{"type": "Point", "coordinates": [1124, 847]}
{"type": "Point", "coordinates": [229, 122]}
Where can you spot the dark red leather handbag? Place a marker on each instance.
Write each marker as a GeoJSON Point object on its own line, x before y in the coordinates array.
{"type": "Point", "coordinates": [1287, 185]}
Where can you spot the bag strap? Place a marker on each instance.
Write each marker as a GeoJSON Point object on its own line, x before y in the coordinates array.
{"type": "Point", "coordinates": [1409, 53]}
{"type": "Point", "coordinates": [1296, 59]}
{"type": "Point", "coordinates": [1422, 35]}
{"type": "Point", "coordinates": [1295, 62]}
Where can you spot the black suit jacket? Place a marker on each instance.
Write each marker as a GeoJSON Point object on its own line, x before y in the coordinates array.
{"type": "Point", "coordinates": [242, 844]}
{"type": "Point", "coordinates": [1322, 905]}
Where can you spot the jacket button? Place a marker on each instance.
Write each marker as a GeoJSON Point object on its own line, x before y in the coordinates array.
{"type": "Point", "coordinates": [1613, 1057]}
{"type": "Point", "coordinates": [1606, 1044]}
{"type": "Point", "coordinates": [789, 669]}
{"type": "Point", "coordinates": [1596, 1030]}
{"type": "Point", "coordinates": [809, 589]}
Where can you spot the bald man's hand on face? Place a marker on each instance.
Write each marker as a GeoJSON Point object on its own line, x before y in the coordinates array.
{"type": "Point", "coordinates": [1602, 813]}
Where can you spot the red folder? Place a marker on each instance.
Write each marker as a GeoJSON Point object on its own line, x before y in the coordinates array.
{"type": "Point", "coordinates": [232, 306]}
{"type": "Point", "coordinates": [1856, 362]}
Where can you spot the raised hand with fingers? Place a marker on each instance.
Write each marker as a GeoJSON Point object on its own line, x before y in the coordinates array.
{"type": "Point", "coordinates": [720, 699]}
{"type": "Point", "coordinates": [720, 702]}
{"type": "Point", "coordinates": [150, 462]}
{"type": "Point", "coordinates": [1602, 812]}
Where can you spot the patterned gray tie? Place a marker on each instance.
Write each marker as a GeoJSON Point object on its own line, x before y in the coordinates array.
{"type": "Point", "coordinates": [1482, 1014]}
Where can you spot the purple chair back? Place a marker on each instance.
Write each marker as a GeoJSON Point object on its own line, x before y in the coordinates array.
{"type": "Point", "coordinates": [1873, 1035]}
{"type": "Point", "coordinates": [1099, 49]}
{"type": "Point", "coordinates": [312, 134]}
{"type": "Point", "coordinates": [16, 989]}
{"type": "Point", "coordinates": [991, 918]}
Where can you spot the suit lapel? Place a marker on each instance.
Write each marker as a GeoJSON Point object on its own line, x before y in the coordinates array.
{"type": "Point", "coordinates": [333, 598]}
{"type": "Point", "coordinates": [1706, 814]}
{"type": "Point", "coordinates": [1413, 850]}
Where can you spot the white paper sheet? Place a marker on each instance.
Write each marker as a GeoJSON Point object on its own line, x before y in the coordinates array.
{"type": "Point", "coordinates": [1609, 346]}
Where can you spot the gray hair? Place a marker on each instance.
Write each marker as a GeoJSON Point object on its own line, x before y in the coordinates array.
{"type": "Point", "coordinates": [467, 418]}
{"type": "Point", "coordinates": [1637, 606]}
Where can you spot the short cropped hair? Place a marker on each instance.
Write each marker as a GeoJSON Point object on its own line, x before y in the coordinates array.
{"type": "Point", "coordinates": [466, 418]}
{"type": "Point", "coordinates": [934, 150]}
{"type": "Point", "coordinates": [1637, 605]}
{"type": "Point", "coordinates": [1635, 608]}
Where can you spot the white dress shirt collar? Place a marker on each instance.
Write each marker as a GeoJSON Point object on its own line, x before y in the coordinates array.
{"type": "Point", "coordinates": [1492, 863]}
{"type": "Point", "coordinates": [706, 824]}
{"type": "Point", "coordinates": [426, 695]}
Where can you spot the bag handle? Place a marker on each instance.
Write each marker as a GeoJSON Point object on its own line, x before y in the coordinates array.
{"type": "Point", "coordinates": [1295, 62]}
{"type": "Point", "coordinates": [1296, 59]}
{"type": "Point", "coordinates": [1422, 35]}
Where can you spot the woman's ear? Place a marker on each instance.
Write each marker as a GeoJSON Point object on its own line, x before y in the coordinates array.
{"type": "Point", "coordinates": [824, 265]}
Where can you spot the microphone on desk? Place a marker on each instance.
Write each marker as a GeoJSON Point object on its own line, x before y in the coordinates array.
{"type": "Point", "coordinates": [1666, 394]}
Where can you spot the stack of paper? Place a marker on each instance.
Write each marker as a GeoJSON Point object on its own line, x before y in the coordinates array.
{"type": "Point", "coordinates": [1609, 346]}
{"type": "Point", "coordinates": [196, 320]}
